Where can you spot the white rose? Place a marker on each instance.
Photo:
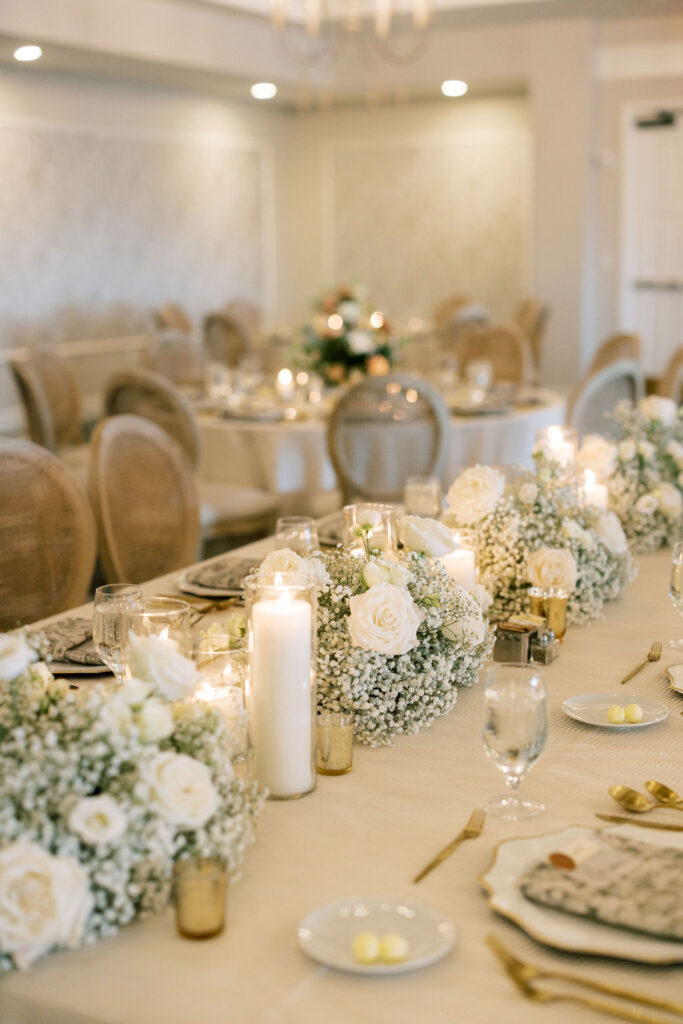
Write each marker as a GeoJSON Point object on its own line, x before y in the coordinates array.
{"type": "Point", "coordinates": [349, 311]}
{"type": "Point", "coordinates": [675, 450]}
{"type": "Point", "coordinates": [316, 570]}
{"type": "Point", "coordinates": [44, 902]}
{"type": "Point", "coordinates": [15, 655]}
{"type": "Point", "coordinates": [482, 597]}
{"type": "Point", "coordinates": [669, 500]}
{"type": "Point", "coordinates": [385, 619]}
{"type": "Point", "coordinates": [646, 505]}
{"type": "Point", "coordinates": [155, 721]}
{"type": "Point", "coordinates": [156, 661]}
{"type": "Point", "coordinates": [608, 529]}
{"type": "Point", "coordinates": [384, 570]}
{"type": "Point", "coordinates": [360, 343]}
{"type": "Point", "coordinates": [116, 713]}
{"type": "Point", "coordinates": [475, 493]}
{"type": "Point", "coordinates": [572, 531]}
{"type": "Point", "coordinates": [598, 454]}
{"type": "Point", "coordinates": [657, 408]}
{"type": "Point", "coordinates": [471, 629]}
{"type": "Point", "coordinates": [426, 535]}
{"type": "Point", "coordinates": [646, 449]}
{"type": "Point", "coordinates": [552, 567]}
{"type": "Point", "coordinates": [528, 493]}
{"type": "Point", "coordinates": [627, 450]}
{"type": "Point", "coordinates": [98, 819]}
{"type": "Point", "coordinates": [283, 560]}
{"type": "Point", "coordinates": [183, 789]}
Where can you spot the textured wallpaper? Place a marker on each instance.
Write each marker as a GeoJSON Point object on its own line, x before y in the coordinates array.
{"type": "Point", "coordinates": [422, 218]}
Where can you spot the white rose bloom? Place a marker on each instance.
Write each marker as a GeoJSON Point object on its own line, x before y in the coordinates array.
{"type": "Point", "coordinates": [528, 493]}
{"type": "Point", "coordinates": [475, 493]}
{"type": "Point", "coordinates": [156, 661]}
{"type": "Point", "coordinates": [183, 789]}
{"type": "Point", "coordinates": [482, 597]}
{"type": "Point", "coordinates": [675, 450]}
{"type": "Point", "coordinates": [646, 449]}
{"type": "Point", "coordinates": [646, 505]}
{"type": "Point", "coordinates": [669, 500]}
{"type": "Point", "coordinates": [349, 311]}
{"type": "Point", "coordinates": [155, 721]}
{"type": "Point", "coordinates": [44, 902]}
{"type": "Point", "coordinates": [383, 570]}
{"type": "Point", "coordinates": [283, 560]}
{"type": "Point", "coordinates": [627, 450]}
{"type": "Point", "coordinates": [384, 619]}
{"type": "Point", "coordinates": [471, 628]}
{"type": "Point", "coordinates": [657, 408]}
{"type": "Point", "coordinates": [98, 819]}
{"type": "Point", "coordinates": [315, 570]}
{"type": "Point", "coordinates": [610, 532]}
{"type": "Point", "coordinates": [598, 454]}
{"type": "Point", "coordinates": [116, 713]}
{"type": "Point", "coordinates": [552, 567]}
{"type": "Point", "coordinates": [426, 535]}
{"type": "Point", "coordinates": [360, 343]}
{"type": "Point", "coordinates": [15, 655]}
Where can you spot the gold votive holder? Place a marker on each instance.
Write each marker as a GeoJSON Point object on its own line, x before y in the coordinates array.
{"type": "Point", "coordinates": [335, 743]}
{"type": "Point", "coordinates": [200, 887]}
{"type": "Point", "coordinates": [551, 604]}
{"type": "Point", "coordinates": [537, 602]}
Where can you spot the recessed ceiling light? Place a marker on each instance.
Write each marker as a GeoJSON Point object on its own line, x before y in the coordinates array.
{"type": "Point", "coordinates": [28, 53]}
{"type": "Point", "coordinates": [263, 90]}
{"type": "Point", "coordinates": [454, 87]}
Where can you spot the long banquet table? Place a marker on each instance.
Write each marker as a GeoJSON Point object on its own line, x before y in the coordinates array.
{"type": "Point", "coordinates": [290, 460]}
{"type": "Point", "coordinates": [368, 833]}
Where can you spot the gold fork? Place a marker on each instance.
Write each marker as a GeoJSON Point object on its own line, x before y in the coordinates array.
{"type": "Point", "coordinates": [654, 654]}
{"type": "Point", "coordinates": [472, 829]}
{"type": "Point", "coordinates": [524, 975]}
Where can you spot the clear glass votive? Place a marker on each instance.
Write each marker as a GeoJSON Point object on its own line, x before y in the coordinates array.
{"type": "Point", "coordinates": [200, 887]}
{"type": "Point", "coordinates": [222, 670]}
{"type": "Point", "coordinates": [335, 743]}
{"type": "Point", "coordinates": [423, 496]}
{"type": "Point", "coordinates": [558, 444]}
{"type": "Point", "coordinates": [370, 529]}
{"type": "Point", "coordinates": [462, 564]}
{"type": "Point", "coordinates": [298, 533]}
{"type": "Point", "coordinates": [164, 617]}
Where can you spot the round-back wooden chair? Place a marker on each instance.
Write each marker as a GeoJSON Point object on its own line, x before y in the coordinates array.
{"type": "Point", "coordinates": [670, 384]}
{"type": "Point", "coordinates": [47, 535]}
{"type": "Point", "coordinates": [247, 315]}
{"type": "Point", "coordinates": [172, 317]}
{"type": "Point", "coordinates": [615, 348]}
{"type": "Point", "coordinates": [532, 317]}
{"type": "Point", "coordinates": [175, 355]}
{"type": "Point", "coordinates": [600, 391]}
{"type": "Point", "coordinates": [506, 347]}
{"type": "Point", "coordinates": [383, 430]}
{"type": "Point", "coordinates": [50, 395]}
{"type": "Point", "coordinates": [225, 341]}
{"type": "Point", "coordinates": [143, 490]}
{"type": "Point", "coordinates": [145, 393]}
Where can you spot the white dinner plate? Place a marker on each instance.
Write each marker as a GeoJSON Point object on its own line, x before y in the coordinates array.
{"type": "Point", "coordinates": [592, 708]}
{"type": "Point", "coordinates": [675, 676]}
{"type": "Point", "coordinates": [327, 933]}
{"type": "Point", "coordinates": [561, 930]}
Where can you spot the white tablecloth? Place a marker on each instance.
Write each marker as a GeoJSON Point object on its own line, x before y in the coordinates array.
{"type": "Point", "coordinates": [368, 833]}
{"type": "Point", "coordinates": [291, 460]}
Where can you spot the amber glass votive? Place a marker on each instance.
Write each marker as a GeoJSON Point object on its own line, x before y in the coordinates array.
{"type": "Point", "coordinates": [335, 743]}
{"type": "Point", "coordinates": [550, 604]}
{"type": "Point", "coordinates": [200, 892]}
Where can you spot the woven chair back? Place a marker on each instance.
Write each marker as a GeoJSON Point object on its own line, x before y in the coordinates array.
{"type": "Point", "coordinates": [615, 348]}
{"type": "Point", "coordinates": [384, 430]}
{"type": "Point", "coordinates": [224, 340]}
{"type": "Point", "coordinates": [247, 315]}
{"type": "Point", "coordinates": [174, 355]}
{"type": "Point", "coordinates": [600, 391]}
{"type": "Point", "coordinates": [47, 535]}
{"type": "Point", "coordinates": [172, 317]}
{"type": "Point", "coordinates": [506, 347]}
{"type": "Point", "coordinates": [532, 317]}
{"type": "Point", "coordinates": [670, 384]}
{"type": "Point", "coordinates": [144, 393]}
{"type": "Point", "coordinates": [144, 494]}
{"type": "Point", "coordinates": [50, 394]}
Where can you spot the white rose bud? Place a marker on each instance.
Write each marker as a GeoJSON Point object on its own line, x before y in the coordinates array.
{"type": "Point", "coordinates": [646, 505]}
{"type": "Point", "coordinates": [384, 619]}
{"type": "Point", "coordinates": [182, 789]}
{"type": "Point", "coordinates": [428, 536]}
{"type": "Point", "coordinates": [283, 560]}
{"type": "Point", "coordinates": [609, 530]}
{"type": "Point", "coordinates": [97, 820]}
{"type": "Point", "coordinates": [528, 493]}
{"type": "Point", "coordinates": [159, 663]}
{"type": "Point", "coordinates": [384, 570]}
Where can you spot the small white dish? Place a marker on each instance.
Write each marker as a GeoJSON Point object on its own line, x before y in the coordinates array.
{"type": "Point", "coordinates": [674, 674]}
{"type": "Point", "coordinates": [327, 933]}
{"type": "Point", "coordinates": [592, 708]}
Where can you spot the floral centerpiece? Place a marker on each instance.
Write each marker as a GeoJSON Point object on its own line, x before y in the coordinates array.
{"type": "Point", "coordinates": [642, 467]}
{"type": "Point", "coordinates": [102, 793]}
{"type": "Point", "coordinates": [396, 638]}
{"type": "Point", "coordinates": [345, 338]}
{"type": "Point", "coordinates": [534, 530]}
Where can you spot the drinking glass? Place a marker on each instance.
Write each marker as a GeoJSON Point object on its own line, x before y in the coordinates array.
{"type": "Point", "coordinates": [676, 588]}
{"type": "Point", "coordinates": [422, 496]}
{"type": "Point", "coordinates": [111, 609]}
{"type": "Point", "coordinates": [515, 731]}
{"type": "Point", "coordinates": [165, 617]}
{"type": "Point", "coordinates": [298, 533]}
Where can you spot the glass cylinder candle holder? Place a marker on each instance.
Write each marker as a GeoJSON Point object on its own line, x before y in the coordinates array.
{"type": "Point", "coordinates": [164, 617]}
{"type": "Point", "coordinates": [299, 533]}
{"type": "Point", "coordinates": [222, 667]}
{"type": "Point", "coordinates": [462, 564]}
{"type": "Point", "coordinates": [593, 493]}
{"type": "Point", "coordinates": [558, 444]}
{"type": "Point", "coordinates": [200, 887]}
{"type": "Point", "coordinates": [370, 529]}
{"type": "Point", "coordinates": [281, 681]}
{"type": "Point", "coordinates": [335, 743]}
{"type": "Point", "coordinates": [423, 496]}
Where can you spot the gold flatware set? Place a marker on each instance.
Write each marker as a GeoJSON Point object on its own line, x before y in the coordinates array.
{"type": "Point", "coordinates": [638, 803]}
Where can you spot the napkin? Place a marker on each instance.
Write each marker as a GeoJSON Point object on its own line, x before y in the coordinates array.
{"type": "Point", "coordinates": [71, 640]}
{"type": "Point", "coordinates": [223, 574]}
{"type": "Point", "coordinates": [621, 882]}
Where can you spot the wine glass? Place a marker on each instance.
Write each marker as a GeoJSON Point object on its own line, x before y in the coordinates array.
{"type": "Point", "coordinates": [298, 533]}
{"type": "Point", "coordinates": [111, 608]}
{"type": "Point", "coordinates": [165, 617]}
{"type": "Point", "coordinates": [515, 731]}
{"type": "Point", "coordinates": [676, 587]}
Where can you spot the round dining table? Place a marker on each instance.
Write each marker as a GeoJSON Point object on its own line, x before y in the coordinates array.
{"type": "Point", "coordinates": [289, 458]}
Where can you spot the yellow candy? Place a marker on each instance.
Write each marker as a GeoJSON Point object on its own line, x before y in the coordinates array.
{"type": "Point", "coordinates": [616, 715]}
{"type": "Point", "coordinates": [634, 713]}
{"type": "Point", "coordinates": [365, 947]}
{"type": "Point", "coordinates": [393, 948]}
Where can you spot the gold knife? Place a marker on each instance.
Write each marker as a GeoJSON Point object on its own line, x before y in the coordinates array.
{"type": "Point", "coordinates": [619, 820]}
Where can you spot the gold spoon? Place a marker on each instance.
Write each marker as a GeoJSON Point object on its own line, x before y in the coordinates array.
{"type": "Point", "coordinates": [637, 802]}
{"type": "Point", "coordinates": [663, 794]}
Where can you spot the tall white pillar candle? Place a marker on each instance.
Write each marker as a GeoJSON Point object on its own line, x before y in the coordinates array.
{"type": "Point", "coordinates": [461, 567]}
{"type": "Point", "coordinates": [280, 714]}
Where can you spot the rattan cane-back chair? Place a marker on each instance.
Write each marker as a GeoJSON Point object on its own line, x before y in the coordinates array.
{"type": "Point", "coordinates": [532, 317]}
{"type": "Point", "coordinates": [384, 430]}
{"type": "Point", "coordinates": [600, 391]}
{"type": "Point", "coordinates": [47, 535]}
{"type": "Point", "coordinates": [670, 384]}
{"type": "Point", "coordinates": [50, 394]}
{"type": "Point", "coordinates": [506, 347]}
{"type": "Point", "coordinates": [171, 317]}
{"type": "Point", "coordinates": [615, 348]}
{"type": "Point", "coordinates": [225, 340]}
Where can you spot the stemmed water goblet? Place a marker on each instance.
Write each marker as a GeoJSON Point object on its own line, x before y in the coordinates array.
{"type": "Point", "coordinates": [676, 588]}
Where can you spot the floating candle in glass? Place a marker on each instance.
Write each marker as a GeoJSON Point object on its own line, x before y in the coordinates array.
{"type": "Point", "coordinates": [462, 564]}
{"type": "Point", "coordinates": [594, 494]}
{"type": "Point", "coordinates": [558, 443]}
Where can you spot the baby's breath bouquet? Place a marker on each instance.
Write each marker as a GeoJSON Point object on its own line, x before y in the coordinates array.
{"type": "Point", "coordinates": [101, 793]}
{"type": "Point", "coordinates": [642, 465]}
{"type": "Point", "coordinates": [534, 530]}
